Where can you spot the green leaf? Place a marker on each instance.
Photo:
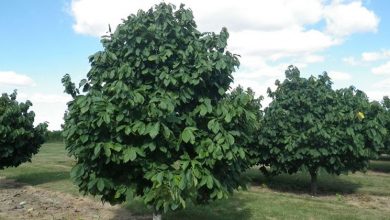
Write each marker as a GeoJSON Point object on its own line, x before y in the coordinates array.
{"type": "Point", "coordinates": [97, 149]}
{"type": "Point", "coordinates": [187, 135]}
{"type": "Point", "coordinates": [155, 129]}
{"type": "Point", "coordinates": [119, 117]}
{"type": "Point", "coordinates": [100, 184]}
{"type": "Point", "coordinates": [84, 138]}
{"type": "Point", "coordinates": [228, 118]}
{"type": "Point", "coordinates": [152, 57]}
{"type": "Point", "coordinates": [106, 118]}
{"type": "Point", "coordinates": [107, 151]}
{"type": "Point", "coordinates": [213, 125]}
{"type": "Point", "coordinates": [84, 109]}
{"type": "Point", "coordinates": [203, 110]}
{"type": "Point", "coordinates": [221, 91]}
{"type": "Point", "coordinates": [128, 130]}
{"type": "Point", "coordinates": [159, 177]}
{"type": "Point", "coordinates": [129, 154]}
{"type": "Point", "coordinates": [77, 171]}
{"type": "Point", "coordinates": [209, 182]}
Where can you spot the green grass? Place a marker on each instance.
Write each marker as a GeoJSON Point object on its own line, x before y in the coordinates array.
{"type": "Point", "coordinates": [49, 169]}
{"type": "Point", "coordinates": [282, 197]}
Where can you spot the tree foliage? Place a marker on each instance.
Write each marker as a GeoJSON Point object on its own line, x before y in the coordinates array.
{"type": "Point", "coordinates": [308, 125]}
{"type": "Point", "coordinates": [386, 122]}
{"type": "Point", "coordinates": [19, 139]}
{"type": "Point", "coordinates": [154, 119]}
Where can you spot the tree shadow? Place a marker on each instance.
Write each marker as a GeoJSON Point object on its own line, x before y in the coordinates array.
{"type": "Point", "coordinates": [382, 166]}
{"type": "Point", "coordinates": [36, 178]}
{"type": "Point", "coordinates": [299, 183]}
{"type": "Point", "coordinates": [227, 209]}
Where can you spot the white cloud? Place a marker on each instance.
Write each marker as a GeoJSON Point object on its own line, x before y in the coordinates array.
{"type": "Point", "coordinates": [350, 60]}
{"type": "Point", "coordinates": [45, 98]}
{"type": "Point", "coordinates": [375, 56]}
{"type": "Point", "coordinates": [10, 78]}
{"type": "Point", "coordinates": [313, 58]}
{"type": "Point", "coordinates": [383, 69]}
{"type": "Point", "coordinates": [383, 85]}
{"type": "Point", "coordinates": [292, 42]}
{"type": "Point", "coordinates": [269, 35]}
{"type": "Point", "coordinates": [93, 16]}
{"type": "Point", "coordinates": [377, 94]}
{"type": "Point", "coordinates": [344, 19]}
{"type": "Point", "coordinates": [47, 107]}
{"type": "Point", "coordinates": [271, 28]}
{"type": "Point", "coordinates": [339, 76]}
{"type": "Point", "coordinates": [254, 14]}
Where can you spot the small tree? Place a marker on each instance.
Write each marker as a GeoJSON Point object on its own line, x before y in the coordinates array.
{"type": "Point", "coordinates": [19, 139]}
{"type": "Point", "coordinates": [156, 120]}
{"type": "Point", "coordinates": [308, 125]}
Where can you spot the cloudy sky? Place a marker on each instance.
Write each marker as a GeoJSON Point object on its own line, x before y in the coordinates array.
{"type": "Point", "coordinates": [42, 40]}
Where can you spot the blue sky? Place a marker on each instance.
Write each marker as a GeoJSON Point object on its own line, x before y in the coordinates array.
{"type": "Point", "coordinates": [43, 40]}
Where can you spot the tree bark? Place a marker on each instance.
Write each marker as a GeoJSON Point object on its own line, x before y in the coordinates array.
{"type": "Point", "coordinates": [313, 183]}
{"type": "Point", "coordinates": [156, 216]}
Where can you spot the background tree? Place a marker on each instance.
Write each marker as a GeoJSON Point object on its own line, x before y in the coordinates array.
{"type": "Point", "coordinates": [386, 121]}
{"type": "Point", "coordinates": [155, 119]}
{"type": "Point", "coordinates": [309, 126]}
{"type": "Point", "coordinates": [54, 136]}
{"type": "Point", "coordinates": [19, 139]}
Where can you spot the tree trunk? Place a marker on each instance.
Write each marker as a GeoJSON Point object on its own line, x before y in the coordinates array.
{"type": "Point", "coordinates": [313, 183]}
{"type": "Point", "coordinates": [156, 216]}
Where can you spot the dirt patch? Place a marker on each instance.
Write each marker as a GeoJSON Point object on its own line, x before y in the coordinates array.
{"type": "Point", "coordinates": [19, 201]}
{"type": "Point", "coordinates": [369, 201]}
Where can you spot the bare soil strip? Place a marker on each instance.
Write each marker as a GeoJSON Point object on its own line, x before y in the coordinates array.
{"type": "Point", "coordinates": [19, 201]}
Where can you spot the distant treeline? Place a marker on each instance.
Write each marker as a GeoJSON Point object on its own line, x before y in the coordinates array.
{"type": "Point", "coordinates": [54, 136]}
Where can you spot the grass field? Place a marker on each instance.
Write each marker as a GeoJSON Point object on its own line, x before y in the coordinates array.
{"type": "Point", "coordinates": [353, 196]}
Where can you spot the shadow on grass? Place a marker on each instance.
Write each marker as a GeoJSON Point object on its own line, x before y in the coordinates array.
{"type": "Point", "coordinates": [300, 183]}
{"type": "Point", "coordinates": [227, 209]}
{"type": "Point", "coordinates": [41, 177]}
{"type": "Point", "coordinates": [380, 166]}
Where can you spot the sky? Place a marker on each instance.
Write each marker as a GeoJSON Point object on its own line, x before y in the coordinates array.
{"type": "Point", "coordinates": [40, 41]}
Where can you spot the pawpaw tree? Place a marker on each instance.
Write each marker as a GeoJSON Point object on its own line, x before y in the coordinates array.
{"type": "Point", "coordinates": [386, 121]}
{"type": "Point", "coordinates": [19, 139]}
{"type": "Point", "coordinates": [154, 118]}
{"type": "Point", "coordinates": [310, 126]}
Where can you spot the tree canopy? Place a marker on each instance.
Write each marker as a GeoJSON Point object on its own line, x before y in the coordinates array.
{"type": "Point", "coordinates": [308, 125]}
{"type": "Point", "coordinates": [154, 119]}
{"type": "Point", "coordinates": [386, 122]}
{"type": "Point", "coordinates": [19, 139]}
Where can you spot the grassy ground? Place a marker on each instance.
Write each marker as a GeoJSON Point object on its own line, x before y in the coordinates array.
{"type": "Point", "coordinates": [48, 169]}
{"type": "Point", "coordinates": [353, 196]}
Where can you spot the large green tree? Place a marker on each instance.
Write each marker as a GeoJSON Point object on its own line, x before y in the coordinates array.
{"type": "Point", "coordinates": [155, 119]}
{"type": "Point", "coordinates": [308, 126]}
{"type": "Point", "coordinates": [19, 139]}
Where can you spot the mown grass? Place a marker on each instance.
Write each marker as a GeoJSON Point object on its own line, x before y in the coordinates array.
{"type": "Point", "coordinates": [49, 169]}
{"type": "Point", "coordinates": [282, 197]}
